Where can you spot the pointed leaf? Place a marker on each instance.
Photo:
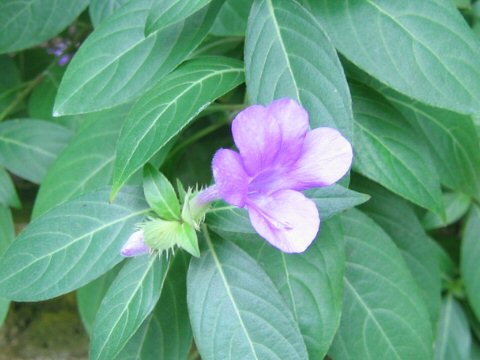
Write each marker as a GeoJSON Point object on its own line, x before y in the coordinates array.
{"type": "Point", "coordinates": [117, 63]}
{"type": "Point", "coordinates": [28, 147]}
{"type": "Point", "coordinates": [232, 18]}
{"type": "Point", "coordinates": [128, 301]}
{"type": "Point", "coordinates": [160, 194]}
{"type": "Point", "coordinates": [236, 311]}
{"type": "Point", "coordinates": [188, 239]}
{"type": "Point", "coordinates": [456, 205]}
{"type": "Point", "coordinates": [8, 194]}
{"type": "Point", "coordinates": [384, 316]}
{"type": "Point", "coordinates": [70, 245]}
{"type": "Point", "coordinates": [282, 61]}
{"type": "Point", "coordinates": [423, 49]}
{"type": "Point", "coordinates": [168, 107]}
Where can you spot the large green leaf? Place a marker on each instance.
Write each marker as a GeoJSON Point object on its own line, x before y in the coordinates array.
{"type": "Point", "coordinates": [8, 194]}
{"type": "Point", "coordinates": [166, 334]}
{"type": "Point", "coordinates": [70, 246]}
{"type": "Point", "coordinates": [86, 164]}
{"type": "Point", "coordinates": [287, 54]}
{"type": "Point", "coordinates": [28, 147]}
{"type": "Point", "coordinates": [128, 301]}
{"type": "Point", "coordinates": [389, 151]}
{"type": "Point", "coordinates": [7, 234]}
{"type": "Point", "coordinates": [27, 23]}
{"type": "Point", "coordinates": [168, 107]}
{"type": "Point", "coordinates": [101, 9]}
{"type": "Point", "coordinates": [117, 63]}
{"type": "Point", "coordinates": [470, 253]}
{"type": "Point", "coordinates": [384, 316]}
{"type": "Point", "coordinates": [399, 221]}
{"type": "Point", "coordinates": [310, 283]}
{"type": "Point", "coordinates": [453, 340]}
{"type": "Point", "coordinates": [235, 309]}
{"type": "Point", "coordinates": [456, 205]}
{"type": "Point", "coordinates": [423, 49]}
{"type": "Point", "coordinates": [232, 18]}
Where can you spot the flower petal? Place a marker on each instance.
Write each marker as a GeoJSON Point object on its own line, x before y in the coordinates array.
{"type": "Point", "coordinates": [230, 177]}
{"type": "Point", "coordinates": [257, 136]}
{"type": "Point", "coordinates": [326, 158]}
{"type": "Point", "coordinates": [286, 219]}
{"type": "Point", "coordinates": [135, 245]}
{"type": "Point", "coordinates": [293, 122]}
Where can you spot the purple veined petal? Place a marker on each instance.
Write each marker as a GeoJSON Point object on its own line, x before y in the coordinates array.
{"type": "Point", "coordinates": [293, 122]}
{"type": "Point", "coordinates": [257, 136]}
{"type": "Point", "coordinates": [286, 219]}
{"type": "Point", "coordinates": [135, 245]}
{"type": "Point", "coordinates": [230, 177]}
{"type": "Point", "coordinates": [326, 158]}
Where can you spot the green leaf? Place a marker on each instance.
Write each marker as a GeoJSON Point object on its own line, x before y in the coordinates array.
{"type": "Point", "coordinates": [444, 263]}
{"type": "Point", "coordinates": [9, 81]}
{"type": "Point", "coordinates": [453, 340]}
{"type": "Point", "coordinates": [399, 221]}
{"type": "Point", "coordinates": [390, 152]}
{"type": "Point", "coordinates": [165, 13]}
{"type": "Point", "coordinates": [8, 194]}
{"type": "Point", "coordinates": [232, 18]}
{"type": "Point", "coordinates": [236, 311]}
{"type": "Point", "coordinates": [70, 245]}
{"type": "Point", "coordinates": [117, 63]}
{"type": "Point", "coordinates": [160, 194]}
{"type": "Point", "coordinates": [470, 253]}
{"type": "Point", "coordinates": [166, 334]}
{"type": "Point", "coordinates": [127, 303]}
{"type": "Point", "coordinates": [102, 9]}
{"type": "Point", "coordinates": [384, 316]}
{"type": "Point", "coordinates": [310, 283]}
{"type": "Point", "coordinates": [168, 107]}
{"type": "Point", "coordinates": [188, 240]}
{"type": "Point", "coordinates": [456, 205]}
{"type": "Point", "coordinates": [85, 165]}
{"type": "Point", "coordinates": [27, 23]}
{"type": "Point", "coordinates": [282, 61]}
{"type": "Point", "coordinates": [90, 296]}
{"type": "Point", "coordinates": [423, 49]}
{"type": "Point", "coordinates": [7, 234]}
{"type": "Point", "coordinates": [28, 147]}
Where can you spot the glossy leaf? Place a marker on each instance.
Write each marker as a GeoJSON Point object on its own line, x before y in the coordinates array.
{"type": "Point", "coordinates": [7, 234]}
{"type": "Point", "coordinates": [456, 205]}
{"type": "Point", "coordinates": [232, 18]}
{"type": "Point", "coordinates": [390, 152]}
{"type": "Point", "coordinates": [86, 164]}
{"type": "Point", "coordinates": [400, 222]}
{"type": "Point", "coordinates": [470, 253]}
{"type": "Point", "coordinates": [28, 147]}
{"type": "Point", "coordinates": [310, 283]}
{"type": "Point", "coordinates": [128, 301]}
{"type": "Point", "coordinates": [165, 13]}
{"type": "Point", "coordinates": [282, 61]}
{"type": "Point", "coordinates": [166, 334]}
{"type": "Point", "coordinates": [423, 49]}
{"type": "Point", "coordinates": [168, 107]}
{"type": "Point", "coordinates": [8, 194]}
{"type": "Point", "coordinates": [235, 309]}
{"type": "Point", "coordinates": [160, 194]}
{"type": "Point", "coordinates": [102, 9]}
{"type": "Point", "coordinates": [70, 246]}
{"type": "Point", "coordinates": [383, 316]}
{"type": "Point", "coordinates": [27, 23]}
{"type": "Point", "coordinates": [117, 63]}
{"type": "Point", "coordinates": [453, 340]}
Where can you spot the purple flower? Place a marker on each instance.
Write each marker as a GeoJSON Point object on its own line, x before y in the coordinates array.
{"type": "Point", "coordinates": [279, 157]}
{"type": "Point", "coordinates": [135, 245]}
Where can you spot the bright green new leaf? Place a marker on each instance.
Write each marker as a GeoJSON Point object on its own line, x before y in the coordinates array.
{"type": "Point", "coordinates": [102, 9]}
{"type": "Point", "coordinates": [28, 147]}
{"type": "Point", "coordinates": [8, 194]}
{"type": "Point", "coordinates": [170, 106]}
{"type": "Point", "coordinates": [31, 22]}
{"type": "Point", "coordinates": [70, 245]}
{"type": "Point", "coordinates": [456, 205]}
{"type": "Point", "coordinates": [127, 303]}
{"type": "Point", "coordinates": [235, 309]}
{"type": "Point", "coordinates": [287, 54]}
{"type": "Point", "coordinates": [384, 316]}
{"type": "Point", "coordinates": [188, 240]}
{"type": "Point", "coordinates": [423, 49]}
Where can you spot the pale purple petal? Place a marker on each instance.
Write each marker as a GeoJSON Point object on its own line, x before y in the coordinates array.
{"type": "Point", "coordinates": [293, 122]}
{"type": "Point", "coordinates": [326, 158]}
{"type": "Point", "coordinates": [286, 219]}
{"type": "Point", "coordinates": [135, 245]}
{"type": "Point", "coordinates": [230, 177]}
{"type": "Point", "coordinates": [257, 136]}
